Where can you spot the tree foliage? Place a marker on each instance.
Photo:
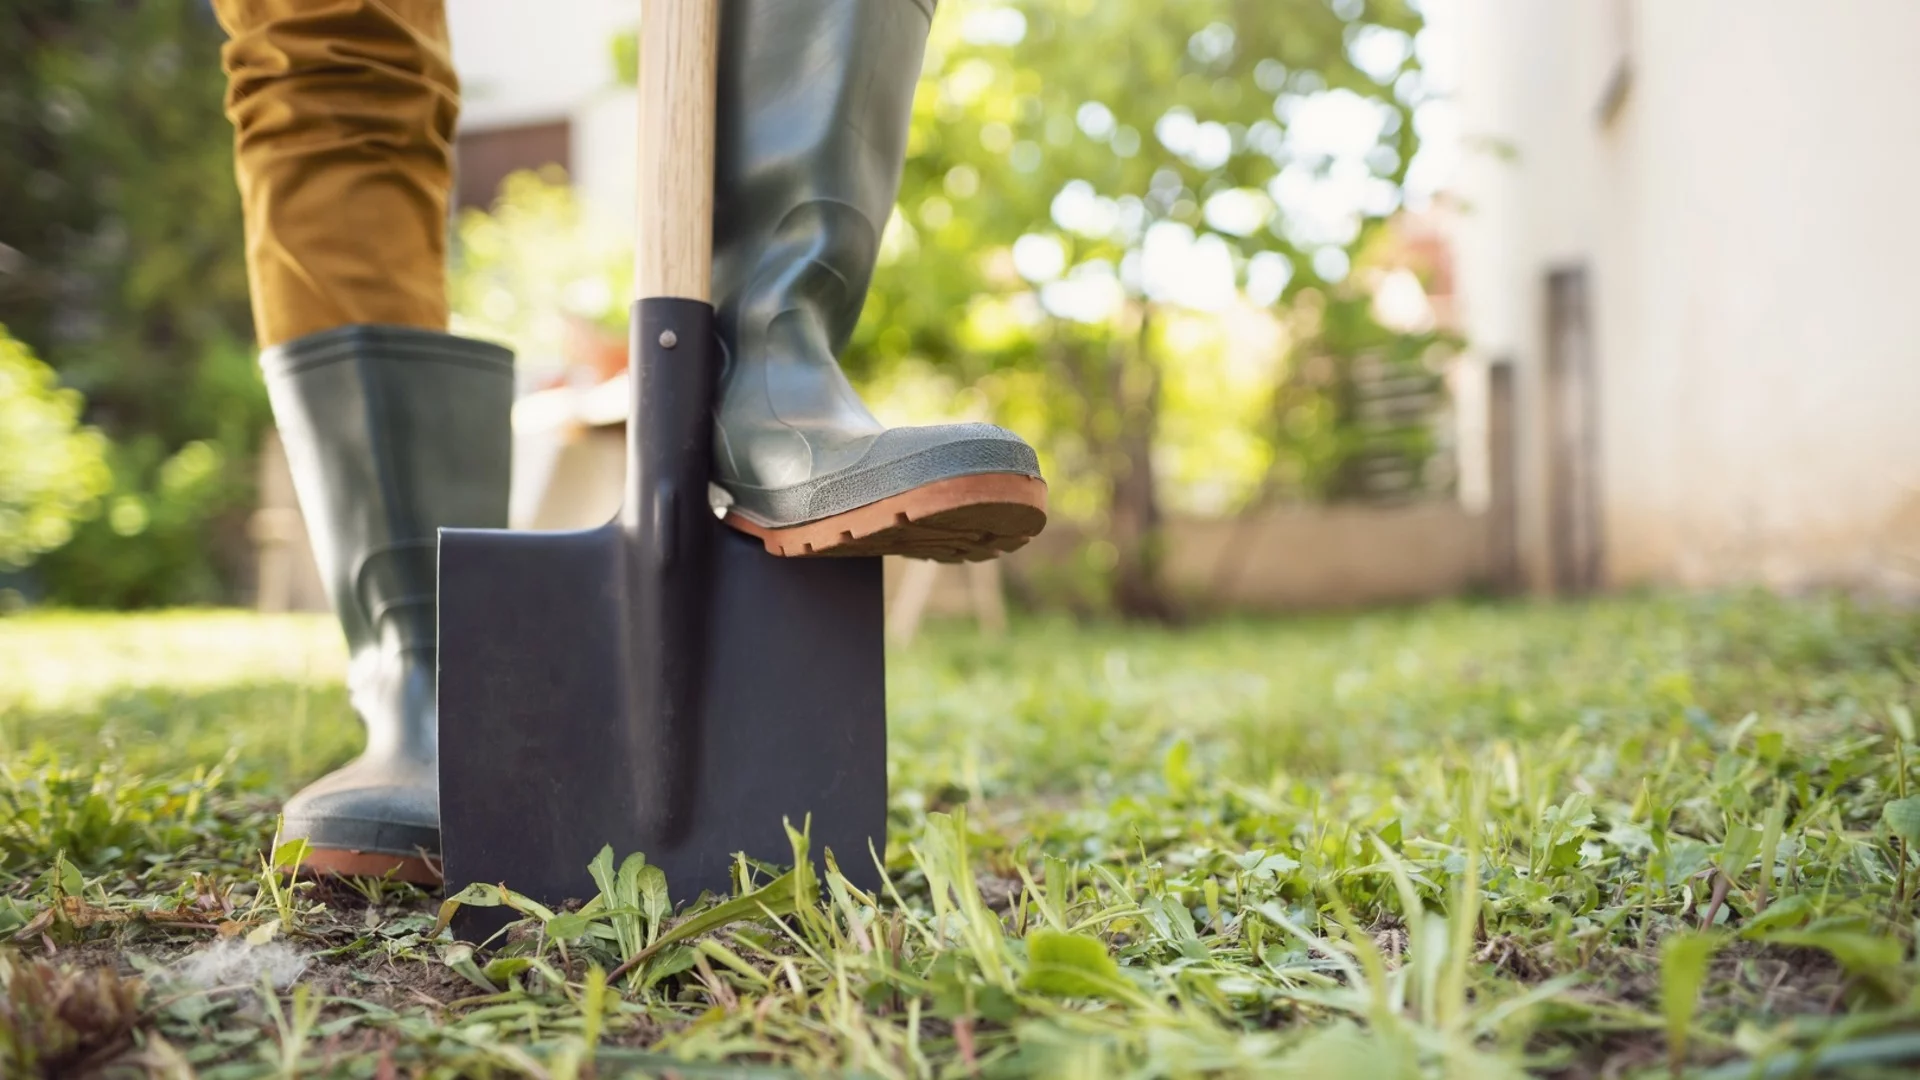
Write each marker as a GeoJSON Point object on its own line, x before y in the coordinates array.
{"type": "Point", "coordinates": [533, 271]}
{"type": "Point", "coordinates": [122, 265]}
{"type": "Point", "coordinates": [52, 470]}
{"type": "Point", "coordinates": [1084, 174]}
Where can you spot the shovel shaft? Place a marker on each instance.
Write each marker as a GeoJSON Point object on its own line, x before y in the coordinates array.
{"type": "Point", "coordinates": [668, 528]}
{"type": "Point", "coordinates": [678, 48]}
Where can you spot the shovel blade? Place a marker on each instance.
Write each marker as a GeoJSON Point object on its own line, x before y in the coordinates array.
{"type": "Point", "coordinates": [539, 750]}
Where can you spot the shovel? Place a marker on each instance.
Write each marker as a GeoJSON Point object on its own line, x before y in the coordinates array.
{"type": "Point", "coordinates": [659, 684]}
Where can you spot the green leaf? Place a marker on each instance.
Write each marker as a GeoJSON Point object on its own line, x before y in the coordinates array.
{"type": "Point", "coordinates": [619, 899]}
{"type": "Point", "coordinates": [1073, 966]}
{"type": "Point", "coordinates": [1058, 876]}
{"type": "Point", "coordinates": [525, 905]}
{"type": "Point", "coordinates": [654, 903]}
{"type": "Point", "coordinates": [1177, 923]}
{"type": "Point", "coordinates": [1738, 850]}
{"type": "Point", "coordinates": [1902, 721]}
{"type": "Point", "coordinates": [482, 894]}
{"type": "Point", "coordinates": [1903, 819]}
{"type": "Point", "coordinates": [601, 869]}
{"type": "Point", "coordinates": [1259, 863]}
{"type": "Point", "coordinates": [1683, 970]}
{"type": "Point", "coordinates": [1786, 912]}
{"type": "Point", "coordinates": [502, 968]}
{"type": "Point", "coordinates": [290, 854]}
{"type": "Point", "coordinates": [1575, 812]}
{"type": "Point", "coordinates": [626, 897]}
{"type": "Point", "coordinates": [949, 986]}
{"type": "Point", "coordinates": [671, 961]}
{"type": "Point", "coordinates": [460, 959]}
{"type": "Point", "coordinates": [1391, 834]}
{"type": "Point", "coordinates": [478, 894]}
{"type": "Point", "coordinates": [1179, 776]}
{"type": "Point", "coordinates": [628, 881]}
{"type": "Point", "coordinates": [72, 884]}
{"type": "Point", "coordinates": [569, 926]}
{"type": "Point", "coordinates": [995, 1005]}
{"type": "Point", "coordinates": [53, 469]}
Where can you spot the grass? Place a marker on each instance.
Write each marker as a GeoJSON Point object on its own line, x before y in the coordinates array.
{"type": "Point", "coordinates": [1642, 836]}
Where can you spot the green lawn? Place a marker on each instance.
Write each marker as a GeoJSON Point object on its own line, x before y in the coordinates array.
{"type": "Point", "coordinates": [1461, 841]}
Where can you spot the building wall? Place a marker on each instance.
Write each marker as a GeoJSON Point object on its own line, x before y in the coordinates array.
{"type": "Point", "coordinates": [1745, 219]}
{"type": "Point", "coordinates": [1318, 558]}
{"type": "Point", "coordinates": [524, 64]}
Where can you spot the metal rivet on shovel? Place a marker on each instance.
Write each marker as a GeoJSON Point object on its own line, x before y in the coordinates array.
{"type": "Point", "coordinates": [659, 684]}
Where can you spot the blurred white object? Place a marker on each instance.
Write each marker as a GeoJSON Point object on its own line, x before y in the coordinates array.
{"type": "Point", "coordinates": [569, 456]}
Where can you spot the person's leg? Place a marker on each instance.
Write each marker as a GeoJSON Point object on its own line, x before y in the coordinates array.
{"type": "Point", "coordinates": [343, 111]}
{"type": "Point", "coordinates": [343, 114]}
{"type": "Point", "coordinates": [814, 102]}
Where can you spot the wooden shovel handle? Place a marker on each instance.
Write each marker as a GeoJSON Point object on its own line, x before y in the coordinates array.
{"type": "Point", "coordinates": [679, 44]}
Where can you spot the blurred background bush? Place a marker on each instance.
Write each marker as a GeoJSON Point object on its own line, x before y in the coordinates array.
{"type": "Point", "coordinates": [52, 470]}
{"type": "Point", "coordinates": [121, 266]}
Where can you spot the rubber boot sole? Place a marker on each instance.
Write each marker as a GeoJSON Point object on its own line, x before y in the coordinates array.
{"type": "Point", "coordinates": [965, 519]}
{"type": "Point", "coordinates": [416, 869]}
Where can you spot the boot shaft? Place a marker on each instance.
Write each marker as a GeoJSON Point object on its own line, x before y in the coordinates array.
{"type": "Point", "coordinates": [391, 433]}
{"type": "Point", "coordinates": [814, 104]}
{"type": "Point", "coordinates": [815, 100]}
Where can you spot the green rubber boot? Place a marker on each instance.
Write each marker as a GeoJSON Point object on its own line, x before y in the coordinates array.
{"type": "Point", "coordinates": [814, 103]}
{"type": "Point", "coordinates": [392, 433]}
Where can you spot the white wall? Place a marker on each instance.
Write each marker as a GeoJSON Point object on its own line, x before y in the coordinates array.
{"type": "Point", "coordinates": [523, 62]}
{"type": "Point", "coordinates": [1748, 222]}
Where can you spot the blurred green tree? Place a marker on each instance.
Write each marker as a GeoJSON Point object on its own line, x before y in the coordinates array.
{"type": "Point", "coordinates": [53, 471]}
{"type": "Point", "coordinates": [121, 264]}
{"type": "Point", "coordinates": [1083, 171]}
{"type": "Point", "coordinates": [534, 272]}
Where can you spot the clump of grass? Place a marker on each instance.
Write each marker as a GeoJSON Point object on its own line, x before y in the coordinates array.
{"type": "Point", "coordinates": [1645, 835]}
{"type": "Point", "coordinates": [101, 815]}
{"type": "Point", "coordinates": [56, 1019]}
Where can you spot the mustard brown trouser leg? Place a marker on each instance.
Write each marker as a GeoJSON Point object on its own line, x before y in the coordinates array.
{"type": "Point", "coordinates": [343, 114]}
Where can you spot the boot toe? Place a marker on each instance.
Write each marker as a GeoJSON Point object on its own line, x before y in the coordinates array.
{"type": "Point", "coordinates": [953, 493]}
{"type": "Point", "coordinates": [363, 808]}
{"type": "Point", "coordinates": [897, 460]}
{"type": "Point", "coordinates": [902, 459]}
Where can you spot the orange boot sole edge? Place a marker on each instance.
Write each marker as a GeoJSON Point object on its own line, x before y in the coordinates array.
{"type": "Point", "coordinates": [340, 862]}
{"type": "Point", "coordinates": [965, 519]}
